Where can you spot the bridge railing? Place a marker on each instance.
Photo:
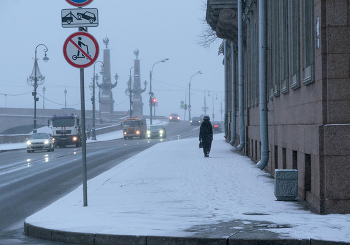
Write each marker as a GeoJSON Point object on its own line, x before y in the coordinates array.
{"type": "Point", "coordinates": [21, 138]}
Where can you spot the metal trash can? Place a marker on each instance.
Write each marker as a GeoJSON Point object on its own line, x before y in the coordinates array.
{"type": "Point", "coordinates": [286, 184]}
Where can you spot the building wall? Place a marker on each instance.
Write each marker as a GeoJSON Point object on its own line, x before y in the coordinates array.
{"type": "Point", "coordinates": [309, 96]}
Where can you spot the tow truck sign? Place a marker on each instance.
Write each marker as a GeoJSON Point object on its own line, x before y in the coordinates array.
{"type": "Point", "coordinates": [79, 17]}
{"type": "Point", "coordinates": [81, 49]}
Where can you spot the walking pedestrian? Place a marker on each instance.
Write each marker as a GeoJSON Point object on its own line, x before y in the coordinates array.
{"type": "Point", "coordinates": [88, 132]}
{"type": "Point", "coordinates": [206, 135]}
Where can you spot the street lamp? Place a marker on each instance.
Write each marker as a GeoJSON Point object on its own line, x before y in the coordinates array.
{"type": "Point", "coordinates": [44, 90]}
{"type": "Point", "coordinates": [93, 132]}
{"type": "Point", "coordinates": [213, 116]}
{"type": "Point", "coordinates": [221, 111]}
{"type": "Point", "coordinates": [205, 102]}
{"type": "Point", "coordinates": [37, 79]}
{"type": "Point", "coordinates": [150, 88]}
{"type": "Point", "coordinates": [65, 98]}
{"type": "Point", "coordinates": [189, 94]}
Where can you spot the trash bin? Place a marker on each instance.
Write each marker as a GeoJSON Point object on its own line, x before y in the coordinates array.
{"type": "Point", "coordinates": [286, 184]}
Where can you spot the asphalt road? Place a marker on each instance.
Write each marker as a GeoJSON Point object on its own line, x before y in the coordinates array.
{"type": "Point", "coordinates": [31, 181]}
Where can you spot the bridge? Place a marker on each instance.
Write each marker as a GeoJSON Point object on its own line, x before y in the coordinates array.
{"type": "Point", "coordinates": [17, 123]}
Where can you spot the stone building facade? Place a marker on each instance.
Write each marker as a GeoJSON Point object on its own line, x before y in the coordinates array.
{"type": "Point", "coordinates": [308, 78]}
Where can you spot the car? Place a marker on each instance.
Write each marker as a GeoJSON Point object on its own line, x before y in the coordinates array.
{"type": "Point", "coordinates": [196, 121]}
{"type": "Point", "coordinates": [174, 117]}
{"type": "Point", "coordinates": [217, 127]}
{"type": "Point", "coordinates": [156, 131]}
{"type": "Point", "coordinates": [40, 141]}
{"type": "Point", "coordinates": [87, 16]}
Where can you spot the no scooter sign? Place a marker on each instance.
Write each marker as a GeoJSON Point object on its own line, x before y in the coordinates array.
{"type": "Point", "coordinates": [81, 50]}
{"type": "Point", "coordinates": [79, 3]}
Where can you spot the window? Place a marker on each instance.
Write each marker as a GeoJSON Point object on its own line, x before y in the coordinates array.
{"type": "Point", "coordinates": [294, 43]}
{"type": "Point", "coordinates": [308, 41]}
{"type": "Point", "coordinates": [307, 179]}
{"type": "Point", "coordinates": [276, 156]}
{"type": "Point", "coordinates": [275, 48]}
{"type": "Point", "coordinates": [295, 160]}
{"type": "Point", "coordinates": [284, 158]}
{"type": "Point", "coordinates": [284, 46]}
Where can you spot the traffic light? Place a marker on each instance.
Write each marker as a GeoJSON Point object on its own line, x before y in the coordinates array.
{"type": "Point", "coordinates": [154, 101]}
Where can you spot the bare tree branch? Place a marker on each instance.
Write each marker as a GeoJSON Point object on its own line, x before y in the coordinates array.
{"type": "Point", "coordinates": [207, 36]}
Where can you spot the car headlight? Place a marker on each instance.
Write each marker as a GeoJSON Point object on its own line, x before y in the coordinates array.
{"type": "Point", "coordinates": [29, 143]}
{"type": "Point", "coordinates": [137, 132]}
{"type": "Point", "coordinates": [124, 132]}
{"type": "Point", "coordinates": [161, 131]}
{"type": "Point", "coordinates": [46, 142]}
{"type": "Point", "coordinates": [178, 118]}
{"type": "Point", "coordinates": [75, 138]}
{"type": "Point", "coordinates": [148, 132]}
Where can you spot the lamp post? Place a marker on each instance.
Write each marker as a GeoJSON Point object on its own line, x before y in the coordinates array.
{"type": "Point", "coordinates": [213, 116]}
{"type": "Point", "coordinates": [150, 88]}
{"type": "Point", "coordinates": [36, 79]}
{"type": "Point", "coordinates": [189, 95]}
{"type": "Point", "coordinates": [65, 98]}
{"type": "Point", "coordinates": [221, 111]}
{"type": "Point", "coordinates": [93, 132]}
{"type": "Point", "coordinates": [205, 102]}
{"type": "Point", "coordinates": [44, 90]}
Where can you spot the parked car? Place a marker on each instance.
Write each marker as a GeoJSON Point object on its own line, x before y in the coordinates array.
{"type": "Point", "coordinates": [196, 121]}
{"type": "Point", "coordinates": [156, 131]}
{"type": "Point", "coordinates": [217, 127]}
{"type": "Point", "coordinates": [174, 117]}
{"type": "Point", "coordinates": [40, 141]}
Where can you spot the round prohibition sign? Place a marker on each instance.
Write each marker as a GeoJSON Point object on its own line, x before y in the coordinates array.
{"type": "Point", "coordinates": [79, 3]}
{"type": "Point", "coordinates": [81, 49]}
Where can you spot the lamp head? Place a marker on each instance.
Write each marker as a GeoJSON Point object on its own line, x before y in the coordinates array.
{"type": "Point", "coordinates": [46, 59]}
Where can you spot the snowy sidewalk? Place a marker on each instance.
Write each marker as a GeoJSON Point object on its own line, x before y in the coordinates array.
{"type": "Point", "coordinates": [171, 190]}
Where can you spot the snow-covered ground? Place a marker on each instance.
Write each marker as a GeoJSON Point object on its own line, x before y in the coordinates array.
{"type": "Point", "coordinates": [170, 188]}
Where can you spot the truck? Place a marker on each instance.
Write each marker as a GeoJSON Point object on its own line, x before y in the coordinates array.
{"type": "Point", "coordinates": [66, 130]}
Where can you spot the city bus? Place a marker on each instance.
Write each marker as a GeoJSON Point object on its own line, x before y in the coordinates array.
{"type": "Point", "coordinates": [134, 127]}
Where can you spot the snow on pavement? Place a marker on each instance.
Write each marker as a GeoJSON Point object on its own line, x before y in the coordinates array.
{"type": "Point", "coordinates": [170, 188]}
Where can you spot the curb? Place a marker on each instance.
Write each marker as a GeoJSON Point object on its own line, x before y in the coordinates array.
{"type": "Point", "coordinates": [107, 239]}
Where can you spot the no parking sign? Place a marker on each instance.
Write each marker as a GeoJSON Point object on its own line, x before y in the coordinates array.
{"type": "Point", "coordinates": [81, 49]}
{"type": "Point", "coordinates": [79, 3]}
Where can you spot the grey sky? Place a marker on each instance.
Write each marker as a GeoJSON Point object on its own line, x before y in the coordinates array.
{"type": "Point", "coordinates": [158, 29]}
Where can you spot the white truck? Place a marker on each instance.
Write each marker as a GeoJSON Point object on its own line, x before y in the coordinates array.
{"type": "Point", "coordinates": [66, 130]}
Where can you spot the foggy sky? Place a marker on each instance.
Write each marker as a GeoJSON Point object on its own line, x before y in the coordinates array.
{"type": "Point", "coordinates": [159, 29]}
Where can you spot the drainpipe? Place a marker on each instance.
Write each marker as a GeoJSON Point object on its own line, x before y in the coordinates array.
{"type": "Point", "coordinates": [264, 136]}
{"type": "Point", "coordinates": [225, 77]}
{"type": "Point", "coordinates": [240, 77]}
{"type": "Point", "coordinates": [233, 121]}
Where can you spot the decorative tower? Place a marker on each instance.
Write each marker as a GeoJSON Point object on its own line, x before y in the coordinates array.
{"type": "Point", "coordinates": [106, 96]}
{"type": "Point", "coordinates": [137, 104]}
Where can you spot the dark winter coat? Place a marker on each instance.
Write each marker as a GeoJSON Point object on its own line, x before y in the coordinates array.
{"type": "Point", "coordinates": [206, 131]}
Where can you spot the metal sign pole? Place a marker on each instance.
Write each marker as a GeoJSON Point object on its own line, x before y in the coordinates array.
{"type": "Point", "coordinates": [82, 100]}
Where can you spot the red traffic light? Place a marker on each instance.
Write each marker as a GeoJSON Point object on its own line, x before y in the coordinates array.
{"type": "Point", "coordinates": [154, 100]}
